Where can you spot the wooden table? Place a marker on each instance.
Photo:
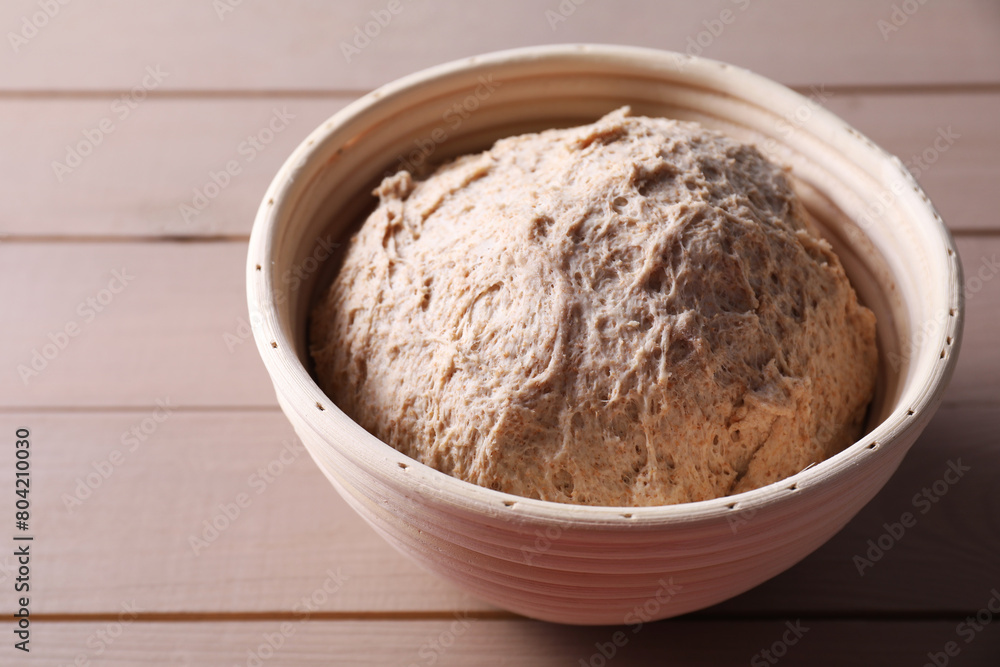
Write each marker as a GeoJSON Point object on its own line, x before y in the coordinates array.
{"type": "Point", "coordinates": [175, 518]}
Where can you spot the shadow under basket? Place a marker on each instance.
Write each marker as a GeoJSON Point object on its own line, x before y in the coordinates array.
{"type": "Point", "coordinates": [583, 564]}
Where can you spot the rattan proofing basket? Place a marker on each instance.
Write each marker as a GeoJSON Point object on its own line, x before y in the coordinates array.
{"type": "Point", "coordinates": [607, 565]}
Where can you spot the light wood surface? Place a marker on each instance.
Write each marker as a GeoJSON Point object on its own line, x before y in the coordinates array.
{"type": "Point", "coordinates": [296, 44]}
{"type": "Point", "coordinates": [174, 334]}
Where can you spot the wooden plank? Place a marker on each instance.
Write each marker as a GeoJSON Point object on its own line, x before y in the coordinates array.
{"type": "Point", "coordinates": [461, 642]}
{"type": "Point", "coordinates": [164, 334]}
{"type": "Point", "coordinates": [112, 527]}
{"type": "Point", "coordinates": [299, 44]}
{"type": "Point", "coordinates": [64, 173]}
{"type": "Point", "coordinates": [139, 176]}
{"type": "Point", "coordinates": [199, 512]}
{"type": "Point", "coordinates": [179, 327]}
{"type": "Point", "coordinates": [977, 373]}
{"type": "Point", "coordinates": [948, 141]}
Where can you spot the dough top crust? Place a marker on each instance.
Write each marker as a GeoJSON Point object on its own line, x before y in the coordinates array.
{"type": "Point", "coordinates": [633, 312]}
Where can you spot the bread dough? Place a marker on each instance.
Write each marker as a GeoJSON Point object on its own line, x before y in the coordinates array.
{"type": "Point", "coordinates": [632, 312]}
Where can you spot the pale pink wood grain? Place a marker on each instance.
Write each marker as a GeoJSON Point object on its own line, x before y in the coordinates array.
{"type": "Point", "coordinates": [163, 334]}
{"type": "Point", "coordinates": [295, 45]}
{"type": "Point", "coordinates": [207, 512]}
{"type": "Point", "coordinates": [180, 167]}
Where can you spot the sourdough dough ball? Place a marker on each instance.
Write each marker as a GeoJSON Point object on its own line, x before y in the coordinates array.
{"type": "Point", "coordinates": [633, 312]}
